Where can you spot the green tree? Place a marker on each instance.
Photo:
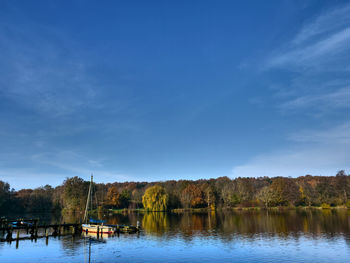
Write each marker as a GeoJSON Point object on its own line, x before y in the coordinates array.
{"type": "Point", "coordinates": [75, 191]}
{"type": "Point", "coordinates": [41, 199]}
{"type": "Point", "coordinates": [125, 197]}
{"type": "Point", "coordinates": [155, 199]}
{"type": "Point", "coordinates": [5, 195]}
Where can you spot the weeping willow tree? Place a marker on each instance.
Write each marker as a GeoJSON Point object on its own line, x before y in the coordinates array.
{"type": "Point", "coordinates": [155, 199]}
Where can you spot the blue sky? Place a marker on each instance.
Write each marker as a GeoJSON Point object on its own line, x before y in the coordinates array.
{"type": "Point", "coordinates": [157, 90]}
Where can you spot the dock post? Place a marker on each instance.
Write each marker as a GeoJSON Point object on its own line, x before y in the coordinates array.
{"type": "Point", "coordinates": [47, 236]}
{"type": "Point", "coordinates": [17, 239]}
{"type": "Point", "coordinates": [98, 229]}
{"type": "Point", "coordinates": [55, 231]}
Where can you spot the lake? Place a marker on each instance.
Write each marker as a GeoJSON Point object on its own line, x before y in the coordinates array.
{"type": "Point", "coordinates": [295, 235]}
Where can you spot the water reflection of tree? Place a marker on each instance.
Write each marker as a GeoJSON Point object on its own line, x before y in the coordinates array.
{"type": "Point", "coordinates": [155, 222]}
{"type": "Point", "coordinates": [228, 225]}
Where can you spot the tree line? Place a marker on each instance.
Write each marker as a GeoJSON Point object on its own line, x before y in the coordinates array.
{"type": "Point", "coordinates": [222, 192]}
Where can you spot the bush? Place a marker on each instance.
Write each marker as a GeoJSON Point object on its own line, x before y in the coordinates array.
{"type": "Point", "coordinates": [348, 204]}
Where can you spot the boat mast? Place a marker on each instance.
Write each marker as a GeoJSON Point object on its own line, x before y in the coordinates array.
{"type": "Point", "coordinates": [87, 201]}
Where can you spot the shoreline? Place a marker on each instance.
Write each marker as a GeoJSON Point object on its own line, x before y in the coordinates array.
{"type": "Point", "coordinates": [206, 210]}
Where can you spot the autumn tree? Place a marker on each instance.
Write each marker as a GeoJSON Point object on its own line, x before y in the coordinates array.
{"type": "Point", "coordinates": [113, 197]}
{"type": "Point", "coordinates": [267, 196]}
{"type": "Point", "coordinates": [192, 196]}
{"type": "Point", "coordinates": [155, 199]}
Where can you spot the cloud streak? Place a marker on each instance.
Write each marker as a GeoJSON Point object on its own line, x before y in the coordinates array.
{"type": "Point", "coordinates": [323, 24]}
{"type": "Point", "coordinates": [322, 102]}
{"type": "Point", "coordinates": [312, 152]}
{"type": "Point", "coordinates": [318, 44]}
{"type": "Point", "coordinates": [316, 61]}
{"type": "Point", "coordinates": [40, 73]}
{"type": "Point", "coordinates": [53, 166]}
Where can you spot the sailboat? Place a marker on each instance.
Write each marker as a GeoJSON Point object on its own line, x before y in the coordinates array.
{"type": "Point", "coordinates": [93, 225]}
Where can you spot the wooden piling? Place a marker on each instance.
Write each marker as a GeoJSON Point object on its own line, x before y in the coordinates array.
{"type": "Point", "coordinates": [55, 231]}
{"type": "Point", "coordinates": [17, 239]}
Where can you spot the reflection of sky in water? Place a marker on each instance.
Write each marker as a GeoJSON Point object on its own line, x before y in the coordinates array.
{"type": "Point", "coordinates": [147, 248]}
{"type": "Point", "coordinates": [312, 236]}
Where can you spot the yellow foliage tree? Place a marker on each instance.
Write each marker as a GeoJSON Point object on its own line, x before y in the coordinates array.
{"type": "Point", "coordinates": [155, 199]}
{"type": "Point", "coordinates": [113, 197]}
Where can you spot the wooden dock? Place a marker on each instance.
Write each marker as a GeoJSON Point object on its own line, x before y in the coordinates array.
{"type": "Point", "coordinates": [33, 230]}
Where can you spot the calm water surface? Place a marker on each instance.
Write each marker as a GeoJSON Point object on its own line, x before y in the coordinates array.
{"type": "Point", "coordinates": [240, 236]}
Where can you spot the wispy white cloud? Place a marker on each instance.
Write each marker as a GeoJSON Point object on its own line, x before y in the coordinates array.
{"type": "Point", "coordinates": [41, 73]}
{"type": "Point", "coordinates": [324, 50]}
{"type": "Point", "coordinates": [337, 135]}
{"type": "Point", "coordinates": [327, 22]}
{"type": "Point", "coordinates": [317, 60]}
{"type": "Point", "coordinates": [314, 152]}
{"type": "Point", "coordinates": [318, 43]}
{"type": "Point", "coordinates": [321, 102]}
{"type": "Point", "coordinates": [52, 166]}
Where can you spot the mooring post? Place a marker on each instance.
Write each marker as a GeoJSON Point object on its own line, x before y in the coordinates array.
{"type": "Point", "coordinates": [55, 230]}
{"type": "Point", "coordinates": [98, 229]}
{"type": "Point", "coordinates": [17, 239]}
{"type": "Point", "coordinates": [138, 225]}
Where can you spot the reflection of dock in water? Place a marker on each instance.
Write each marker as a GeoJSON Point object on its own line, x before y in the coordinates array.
{"type": "Point", "coordinates": [101, 236]}
{"type": "Point", "coordinates": [30, 229]}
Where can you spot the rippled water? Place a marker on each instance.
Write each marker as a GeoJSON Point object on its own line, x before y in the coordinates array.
{"type": "Point", "coordinates": [228, 236]}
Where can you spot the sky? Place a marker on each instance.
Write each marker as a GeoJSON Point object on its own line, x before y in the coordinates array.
{"type": "Point", "coordinates": [160, 90]}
